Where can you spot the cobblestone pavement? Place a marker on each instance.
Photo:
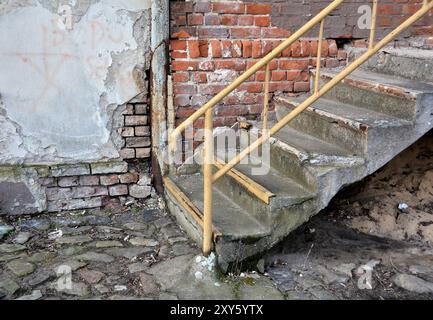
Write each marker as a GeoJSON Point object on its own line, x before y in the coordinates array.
{"type": "Point", "coordinates": [120, 253]}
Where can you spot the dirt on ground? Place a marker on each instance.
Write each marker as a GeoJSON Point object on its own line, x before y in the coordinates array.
{"type": "Point", "coordinates": [374, 241]}
{"type": "Point", "coordinates": [397, 201]}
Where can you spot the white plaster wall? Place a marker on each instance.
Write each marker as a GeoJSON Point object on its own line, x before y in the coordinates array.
{"type": "Point", "coordinates": [61, 79]}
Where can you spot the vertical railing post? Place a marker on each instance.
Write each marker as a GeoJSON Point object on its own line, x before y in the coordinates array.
{"type": "Point", "coordinates": [319, 57]}
{"type": "Point", "coordinates": [208, 159]}
{"type": "Point", "coordinates": [266, 98]}
{"type": "Point", "coordinates": [373, 25]}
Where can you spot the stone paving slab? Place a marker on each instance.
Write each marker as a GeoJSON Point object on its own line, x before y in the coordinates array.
{"type": "Point", "coordinates": [111, 254]}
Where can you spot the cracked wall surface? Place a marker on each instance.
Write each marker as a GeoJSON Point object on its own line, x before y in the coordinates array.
{"type": "Point", "coordinates": [67, 71]}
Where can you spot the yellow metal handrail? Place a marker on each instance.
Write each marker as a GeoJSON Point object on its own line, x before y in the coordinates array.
{"type": "Point", "coordinates": [206, 110]}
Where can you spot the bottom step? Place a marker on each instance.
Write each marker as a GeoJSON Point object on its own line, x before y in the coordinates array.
{"type": "Point", "coordinates": [234, 228]}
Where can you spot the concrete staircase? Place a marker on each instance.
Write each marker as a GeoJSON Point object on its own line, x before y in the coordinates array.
{"type": "Point", "coordinates": [360, 125]}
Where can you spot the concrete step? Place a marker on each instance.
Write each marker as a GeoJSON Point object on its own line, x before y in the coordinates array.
{"type": "Point", "coordinates": [301, 156]}
{"type": "Point", "coordinates": [340, 124]}
{"type": "Point", "coordinates": [408, 63]}
{"type": "Point", "coordinates": [378, 92]}
{"type": "Point", "coordinates": [231, 220]}
{"type": "Point", "coordinates": [286, 191]}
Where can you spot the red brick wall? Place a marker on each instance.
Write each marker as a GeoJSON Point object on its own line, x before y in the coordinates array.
{"type": "Point", "coordinates": [214, 42]}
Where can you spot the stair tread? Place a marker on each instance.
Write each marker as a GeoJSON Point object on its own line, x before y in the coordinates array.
{"type": "Point", "coordinates": [228, 217]}
{"type": "Point", "coordinates": [401, 86]}
{"type": "Point", "coordinates": [351, 115]}
{"type": "Point", "coordinates": [409, 52]}
{"type": "Point", "coordinates": [311, 146]}
{"type": "Point", "coordinates": [279, 184]}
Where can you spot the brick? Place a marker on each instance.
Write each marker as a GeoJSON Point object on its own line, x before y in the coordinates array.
{"type": "Point", "coordinates": [252, 98]}
{"type": "Point", "coordinates": [273, 65]}
{"type": "Point", "coordinates": [74, 204]}
{"type": "Point", "coordinates": [254, 8]}
{"type": "Point", "coordinates": [199, 77]}
{"type": "Point", "coordinates": [256, 49]}
{"type": "Point", "coordinates": [127, 153]}
{"type": "Point", "coordinates": [388, 9]}
{"type": "Point", "coordinates": [246, 48]}
{"type": "Point", "coordinates": [211, 88]}
{"type": "Point", "coordinates": [140, 192]}
{"type": "Point", "coordinates": [274, 32]}
{"type": "Point", "coordinates": [89, 180]}
{"type": "Point", "coordinates": [130, 177]}
{"type": "Point", "coordinates": [293, 75]}
{"type": "Point", "coordinates": [177, 45]}
{"type": "Point", "coordinates": [383, 21]}
{"type": "Point", "coordinates": [231, 111]}
{"type": "Point", "coordinates": [185, 112]}
{"type": "Point", "coordinates": [184, 65]}
{"type": "Point", "coordinates": [181, 6]}
{"type": "Point", "coordinates": [140, 109]}
{"type": "Point", "coordinates": [135, 120]}
{"type": "Point", "coordinates": [109, 167]}
{"type": "Point", "coordinates": [236, 49]}
{"type": "Point", "coordinates": [212, 32]}
{"type": "Point", "coordinates": [332, 63]}
{"type": "Point", "coordinates": [285, 86]}
{"type": "Point", "coordinates": [228, 7]}
{"type": "Point", "coordinates": [68, 181]}
{"type": "Point", "coordinates": [127, 131]}
{"type": "Point", "coordinates": [261, 21]}
{"type": "Point", "coordinates": [233, 64]}
{"type": "Point", "coordinates": [215, 48]}
{"type": "Point", "coordinates": [142, 153]}
{"type": "Point", "coordinates": [70, 170]}
{"type": "Point", "coordinates": [212, 19]}
{"type": "Point", "coordinates": [251, 87]}
{"type": "Point", "coordinates": [202, 6]}
{"type": "Point", "coordinates": [180, 77]}
{"type": "Point", "coordinates": [226, 51]}
{"type": "Point", "coordinates": [341, 54]}
{"type": "Point", "coordinates": [195, 19]}
{"type": "Point", "coordinates": [301, 86]}
{"type": "Point", "coordinates": [142, 131]}
{"type": "Point", "coordinates": [181, 34]}
{"type": "Point", "coordinates": [180, 20]}
{"type": "Point", "coordinates": [54, 194]}
{"type": "Point", "coordinates": [182, 100]}
{"type": "Point", "coordinates": [87, 192]}
{"type": "Point", "coordinates": [193, 49]}
{"type": "Point", "coordinates": [118, 190]}
{"type": "Point", "coordinates": [178, 55]}
{"type": "Point", "coordinates": [203, 48]}
{"type": "Point", "coordinates": [245, 32]}
{"type": "Point", "coordinates": [128, 110]}
{"type": "Point", "coordinates": [332, 48]}
{"type": "Point", "coordinates": [135, 142]}
{"type": "Point", "coordinates": [229, 20]}
{"type": "Point", "coordinates": [246, 20]}
{"type": "Point", "coordinates": [206, 66]}
{"type": "Point", "coordinates": [183, 89]}
{"type": "Point", "coordinates": [47, 182]}
{"type": "Point", "coordinates": [198, 100]}
{"type": "Point", "coordinates": [293, 64]}
{"type": "Point", "coordinates": [278, 75]}
{"type": "Point", "coordinates": [269, 45]}
{"type": "Point", "coordinates": [305, 48]}
{"type": "Point", "coordinates": [296, 49]}
{"type": "Point", "coordinates": [231, 100]}
{"type": "Point", "coordinates": [109, 180]}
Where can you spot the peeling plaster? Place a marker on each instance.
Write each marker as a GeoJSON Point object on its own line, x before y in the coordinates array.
{"type": "Point", "coordinates": [63, 87]}
{"type": "Point", "coordinates": [60, 88]}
